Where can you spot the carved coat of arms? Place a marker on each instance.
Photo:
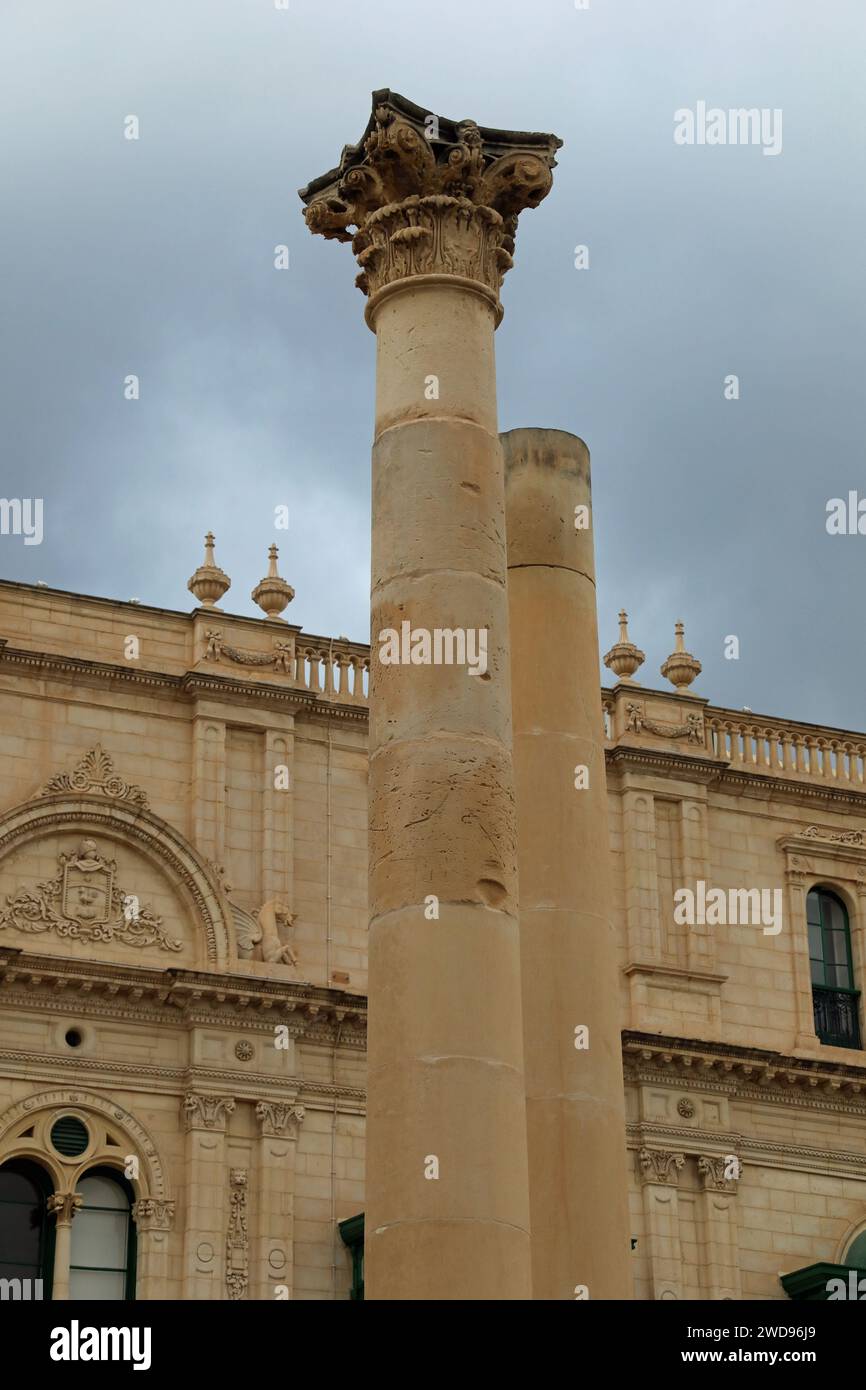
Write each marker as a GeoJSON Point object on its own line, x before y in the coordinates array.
{"type": "Point", "coordinates": [85, 903]}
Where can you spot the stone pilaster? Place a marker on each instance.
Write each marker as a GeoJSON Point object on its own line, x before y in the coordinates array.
{"type": "Point", "coordinates": [659, 1173]}
{"type": "Point", "coordinates": [435, 205]}
{"type": "Point", "coordinates": [154, 1220]}
{"type": "Point", "coordinates": [208, 786]}
{"type": "Point", "coordinates": [273, 1242]}
{"type": "Point", "coordinates": [277, 849]}
{"type": "Point", "coordinates": [206, 1117]}
{"type": "Point", "coordinates": [569, 961]}
{"type": "Point", "coordinates": [721, 1270]}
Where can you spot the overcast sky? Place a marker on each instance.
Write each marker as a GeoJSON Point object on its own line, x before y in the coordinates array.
{"type": "Point", "coordinates": [155, 257]}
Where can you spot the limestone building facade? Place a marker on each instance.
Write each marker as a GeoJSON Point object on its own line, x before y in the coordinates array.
{"type": "Point", "coordinates": [183, 922]}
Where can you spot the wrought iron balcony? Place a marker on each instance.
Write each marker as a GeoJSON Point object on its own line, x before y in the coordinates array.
{"type": "Point", "coordinates": [836, 1014]}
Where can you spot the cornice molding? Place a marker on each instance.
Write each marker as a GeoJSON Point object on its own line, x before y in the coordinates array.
{"type": "Point", "coordinates": [313, 1012]}
{"type": "Point", "coordinates": [191, 684]}
{"type": "Point", "coordinates": [745, 1073]}
{"type": "Point", "coordinates": [699, 1143]}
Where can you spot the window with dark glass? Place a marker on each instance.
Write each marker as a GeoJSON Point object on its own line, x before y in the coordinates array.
{"type": "Point", "coordinates": [26, 1231]}
{"type": "Point", "coordinates": [835, 1001]}
{"type": "Point", "coordinates": [102, 1261]}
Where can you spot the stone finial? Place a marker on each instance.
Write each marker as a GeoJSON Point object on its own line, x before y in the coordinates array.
{"type": "Point", "coordinates": [272, 593]}
{"type": "Point", "coordinates": [209, 582]}
{"type": "Point", "coordinates": [681, 667]}
{"type": "Point", "coordinates": [430, 196]}
{"type": "Point", "coordinates": [624, 657]}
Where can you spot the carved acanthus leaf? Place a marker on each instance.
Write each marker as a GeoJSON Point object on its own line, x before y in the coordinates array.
{"type": "Point", "coordinates": [430, 195]}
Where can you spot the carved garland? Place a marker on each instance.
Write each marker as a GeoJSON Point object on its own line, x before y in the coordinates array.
{"type": "Point", "coordinates": [279, 659]}
{"type": "Point", "coordinates": [637, 722]}
{"type": "Point", "coordinates": [854, 838]}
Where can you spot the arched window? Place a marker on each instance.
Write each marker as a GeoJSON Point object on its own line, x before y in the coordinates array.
{"type": "Point", "coordinates": [102, 1261]}
{"type": "Point", "coordinates": [856, 1254]}
{"type": "Point", "coordinates": [834, 998]}
{"type": "Point", "coordinates": [26, 1232]}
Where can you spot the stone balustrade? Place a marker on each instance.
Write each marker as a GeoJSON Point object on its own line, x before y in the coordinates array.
{"type": "Point", "coordinates": [332, 668]}
{"type": "Point", "coordinates": [741, 740]}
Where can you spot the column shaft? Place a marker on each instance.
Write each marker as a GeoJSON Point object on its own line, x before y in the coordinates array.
{"type": "Point", "coordinates": [569, 966]}
{"type": "Point", "coordinates": [445, 1050]}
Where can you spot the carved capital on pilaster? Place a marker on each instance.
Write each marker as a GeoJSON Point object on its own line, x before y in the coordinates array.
{"type": "Point", "coordinates": [279, 1119]}
{"type": "Point", "coordinates": [207, 1112]}
{"type": "Point", "coordinates": [151, 1214]}
{"type": "Point", "coordinates": [64, 1205]}
{"type": "Point", "coordinates": [430, 196]}
{"type": "Point", "coordinates": [714, 1170]}
{"type": "Point", "coordinates": [661, 1166]}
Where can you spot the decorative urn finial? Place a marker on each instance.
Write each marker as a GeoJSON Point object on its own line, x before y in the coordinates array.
{"type": "Point", "coordinates": [681, 667]}
{"type": "Point", "coordinates": [624, 657]}
{"type": "Point", "coordinates": [272, 593]}
{"type": "Point", "coordinates": [209, 582]}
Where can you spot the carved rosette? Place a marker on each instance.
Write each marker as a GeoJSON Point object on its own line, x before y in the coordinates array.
{"type": "Point", "coordinates": [429, 196]}
{"type": "Point", "coordinates": [661, 1166]}
{"type": "Point", "coordinates": [279, 1120]}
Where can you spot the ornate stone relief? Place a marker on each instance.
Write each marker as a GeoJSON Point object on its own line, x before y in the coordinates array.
{"type": "Point", "coordinates": [834, 837]}
{"type": "Point", "coordinates": [280, 659]}
{"type": "Point", "coordinates": [425, 202]}
{"type": "Point", "coordinates": [84, 902]}
{"type": "Point", "coordinates": [278, 1119]}
{"type": "Point", "coordinates": [237, 1240]}
{"type": "Point", "coordinates": [258, 936]}
{"type": "Point", "coordinates": [711, 1168]}
{"type": "Point", "coordinates": [95, 774]}
{"type": "Point", "coordinates": [637, 722]}
{"type": "Point", "coordinates": [661, 1166]}
{"type": "Point", "coordinates": [64, 1205]}
{"type": "Point", "coordinates": [207, 1112]}
{"type": "Point", "coordinates": [150, 1214]}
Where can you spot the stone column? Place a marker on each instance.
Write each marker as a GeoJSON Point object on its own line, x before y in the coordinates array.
{"type": "Point", "coordinates": [63, 1206]}
{"type": "Point", "coordinates": [575, 1107]}
{"type": "Point", "coordinates": [274, 1198]}
{"type": "Point", "coordinates": [435, 203]}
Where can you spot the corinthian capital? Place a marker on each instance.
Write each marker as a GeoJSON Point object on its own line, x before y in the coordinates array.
{"type": "Point", "coordinates": [421, 195]}
{"type": "Point", "coordinates": [279, 1119]}
{"type": "Point", "coordinates": [660, 1166]}
{"type": "Point", "coordinates": [207, 1112]}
